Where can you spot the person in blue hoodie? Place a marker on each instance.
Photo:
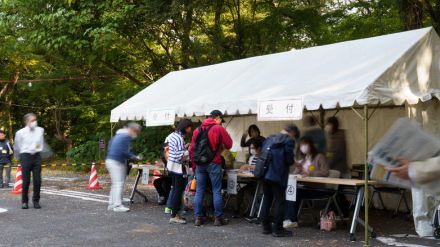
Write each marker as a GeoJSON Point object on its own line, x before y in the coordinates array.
{"type": "Point", "coordinates": [119, 151]}
{"type": "Point", "coordinates": [275, 181]}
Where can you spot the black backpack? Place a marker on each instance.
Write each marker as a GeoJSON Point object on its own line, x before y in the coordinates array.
{"type": "Point", "coordinates": [203, 152]}
{"type": "Point", "coordinates": [263, 163]}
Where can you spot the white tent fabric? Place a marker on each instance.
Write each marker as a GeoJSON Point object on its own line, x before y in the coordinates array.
{"type": "Point", "coordinates": [392, 69]}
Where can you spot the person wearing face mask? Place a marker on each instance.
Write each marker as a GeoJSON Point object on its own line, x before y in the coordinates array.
{"type": "Point", "coordinates": [6, 153]}
{"type": "Point", "coordinates": [119, 151]}
{"type": "Point", "coordinates": [254, 134]}
{"type": "Point", "coordinates": [249, 188]}
{"type": "Point", "coordinates": [29, 142]}
{"type": "Point", "coordinates": [337, 148]}
{"type": "Point", "coordinates": [314, 164]}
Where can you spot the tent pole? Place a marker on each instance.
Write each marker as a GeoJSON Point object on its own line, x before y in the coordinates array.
{"type": "Point", "coordinates": [366, 176]}
{"type": "Point", "coordinates": [111, 130]}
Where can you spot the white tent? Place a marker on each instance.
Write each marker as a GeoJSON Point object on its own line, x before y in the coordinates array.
{"type": "Point", "coordinates": [400, 70]}
{"type": "Point", "coordinates": [390, 69]}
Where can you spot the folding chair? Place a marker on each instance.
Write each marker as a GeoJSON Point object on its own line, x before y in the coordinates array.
{"type": "Point", "coordinates": [332, 189]}
{"type": "Point", "coordinates": [378, 190]}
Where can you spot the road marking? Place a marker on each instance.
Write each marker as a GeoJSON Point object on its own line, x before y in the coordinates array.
{"type": "Point", "coordinates": [73, 196]}
{"type": "Point", "coordinates": [79, 195]}
{"type": "Point", "coordinates": [61, 179]}
{"type": "Point", "coordinates": [393, 242]}
{"type": "Point", "coordinates": [3, 210]}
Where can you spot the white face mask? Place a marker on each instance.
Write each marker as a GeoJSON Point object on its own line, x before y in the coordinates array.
{"type": "Point", "coordinates": [328, 128]}
{"type": "Point", "coordinates": [33, 125]}
{"type": "Point", "coordinates": [304, 149]}
{"type": "Point", "coordinates": [253, 151]}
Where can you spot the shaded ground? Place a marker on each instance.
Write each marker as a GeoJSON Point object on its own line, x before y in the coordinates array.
{"type": "Point", "coordinates": [84, 220]}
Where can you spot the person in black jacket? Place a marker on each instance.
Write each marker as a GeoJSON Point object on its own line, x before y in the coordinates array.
{"type": "Point", "coordinates": [6, 153]}
{"type": "Point", "coordinates": [254, 134]}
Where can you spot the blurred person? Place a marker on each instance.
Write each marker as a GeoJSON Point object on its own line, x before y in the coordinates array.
{"type": "Point", "coordinates": [206, 144]}
{"type": "Point", "coordinates": [281, 146]}
{"type": "Point", "coordinates": [162, 184]}
{"type": "Point", "coordinates": [254, 134]}
{"type": "Point", "coordinates": [296, 136]}
{"type": "Point", "coordinates": [425, 178]}
{"type": "Point", "coordinates": [6, 152]}
{"type": "Point", "coordinates": [314, 164]}
{"type": "Point", "coordinates": [314, 132]}
{"type": "Point", "coordinates": [178, 154]}
{"type": "Point", "coordinates": [255, 151]}
{"type": "Point", "coordinates": [337, 148]}
{"type": "Point", "coordinates": [29, 143]}
{"type": "Point", "coordinates": [119, 152]}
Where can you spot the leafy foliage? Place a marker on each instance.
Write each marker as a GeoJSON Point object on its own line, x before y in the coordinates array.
{"type": "Point", "coordinates": [102, 52]}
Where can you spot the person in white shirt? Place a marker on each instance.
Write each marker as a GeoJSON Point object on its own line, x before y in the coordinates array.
{"type": "Point", "coordinates": [29, 143]}
{"type": "Point", "coordinates": [425, 180]}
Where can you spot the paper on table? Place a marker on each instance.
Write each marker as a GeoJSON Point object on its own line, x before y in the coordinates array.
{"type": "Point", "coordinates": [405, 140]}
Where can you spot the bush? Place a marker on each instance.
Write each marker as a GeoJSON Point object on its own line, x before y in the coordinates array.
{"type": "Point", "coordinates": [148, 144]}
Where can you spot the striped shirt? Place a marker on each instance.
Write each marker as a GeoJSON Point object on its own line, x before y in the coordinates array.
{"type": "Point", "coordinates": [253, 160]}
{"type": "Point", "coordinates": [176, 152]}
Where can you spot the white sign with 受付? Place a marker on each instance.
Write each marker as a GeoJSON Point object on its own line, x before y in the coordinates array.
{"type": "Point", "coordinates": [276, 110]}
{"type": "Point", "coordinates": [291, 189]}
{"type": "Point", "coordinates": [232, 183]}
{"type": "Point", "coordinates": [145, 175]}
{"type": "Point", "coordinates": [161, 117]}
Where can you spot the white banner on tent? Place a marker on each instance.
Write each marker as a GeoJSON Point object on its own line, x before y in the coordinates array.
{"type": "Point", "coordinates": [291, 189]}
{"type": "Point", "coordinates": [232, 183]}
{"type": "Point", "coordinates": [145, 175]}
{"type": "Point", "coordinates": [276, 110]}
{"type": "Point", "coordinates": [161, 117]}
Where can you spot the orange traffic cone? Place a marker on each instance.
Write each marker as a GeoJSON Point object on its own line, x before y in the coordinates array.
{"type": "Point", "coordinates": [18, 182]}
{"type": "Point", "coordinates": [93, 181]}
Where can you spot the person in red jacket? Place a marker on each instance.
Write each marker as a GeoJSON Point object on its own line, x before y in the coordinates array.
{"type": "Point", "coordinates": [218, 137]}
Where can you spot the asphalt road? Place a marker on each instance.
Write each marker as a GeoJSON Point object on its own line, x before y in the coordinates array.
{"type": "Point", "coordinates": [72, 216]}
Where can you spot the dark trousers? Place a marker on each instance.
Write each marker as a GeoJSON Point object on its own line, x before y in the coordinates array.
{"type": "Point", "coordinates": [31, 163]}
{"type": "Point", "coordinates": [179, 183]}
{"type": "Point", "coordinates": [163, 186]}
{"type": "Point", "coordinates": [275, 196]}
{"type": "Point", "coordinates": [7, 173]}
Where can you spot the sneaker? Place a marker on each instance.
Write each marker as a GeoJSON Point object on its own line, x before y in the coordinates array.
{"type": "Point", "coordinates": [198, 221]}
{"type": "Point", "coordinates": [289, 224]}
{"type": "Point", "coordinates": [110, 207]}
{"type": "Point", "coordinates": [168, 210]}
{"type": "Point", "coordinates": [267, 229]}
{"type": "Point", "coordinates": [37, 205]}
{"type": "Point", "coordinates": [282, 233]}
{"type": "Point", "coordinates": [120, 208]}
{"type": "Point", "coordinates": [220, 221]}
{"type": "Point", "coordinates": [177, 220]}
{"type": "Point", "coordinates": [162, 201]}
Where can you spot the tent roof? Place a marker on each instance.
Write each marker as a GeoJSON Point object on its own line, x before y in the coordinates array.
{"type": "Point", "coordinates": [388, 69]}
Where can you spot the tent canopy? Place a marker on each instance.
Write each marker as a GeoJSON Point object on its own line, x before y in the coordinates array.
{"type": "Point", "coordinates": [389, 69]}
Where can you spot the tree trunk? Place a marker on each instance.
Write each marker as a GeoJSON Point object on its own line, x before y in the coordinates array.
{"type": "Point", "coordinates": [411, 12]}
{"type": "Point", "coordinates": [186, 37]}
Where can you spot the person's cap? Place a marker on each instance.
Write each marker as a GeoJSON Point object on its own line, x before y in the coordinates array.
{"type": "Point", "coordinates": [2, 131]}
{"type": "Point", "coordinates": [217, 113]}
